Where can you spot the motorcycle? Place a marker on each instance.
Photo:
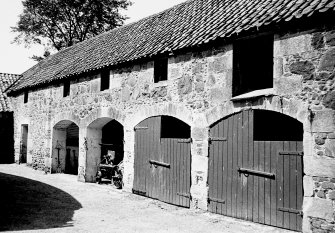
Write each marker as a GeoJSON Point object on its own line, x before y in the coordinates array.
{"type": "Point", "coordinates": [110, 172]}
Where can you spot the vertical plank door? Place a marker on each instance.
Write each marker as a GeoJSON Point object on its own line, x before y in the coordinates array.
{"type": "Point", "coordinates": [163, 161]}
{"type": "Point", "coordinates": [175, 170]}
{"type": "Point", "coordinates": [147, 149]}
{"type": "Point", "coordinates": [255, 170]}
{"type": "Point", "coordinates": [176, 179]}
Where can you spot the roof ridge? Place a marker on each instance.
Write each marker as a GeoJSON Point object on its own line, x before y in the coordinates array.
{"type": "Point", "coordinates": [10, 74]}
{"type": "Point", "coordinates": [187, 24]}
{"type": "Point", "coordinates": [121, 27]}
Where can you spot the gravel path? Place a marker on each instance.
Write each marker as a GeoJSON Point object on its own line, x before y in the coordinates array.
{"type": "Point", "coordinates": [31, 201]}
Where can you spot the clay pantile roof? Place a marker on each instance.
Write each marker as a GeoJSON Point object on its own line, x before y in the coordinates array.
{"type": "Point", "coordinates": [192, 23]}
{"type": "Point", "coordinates": [5, 81]}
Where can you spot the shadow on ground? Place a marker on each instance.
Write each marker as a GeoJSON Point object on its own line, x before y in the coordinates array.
{"type": "Point", "coordinates": [28, 204]}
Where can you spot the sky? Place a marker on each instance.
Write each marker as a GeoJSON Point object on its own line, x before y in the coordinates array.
{"type": "Point", "coordinates": [15, 59]}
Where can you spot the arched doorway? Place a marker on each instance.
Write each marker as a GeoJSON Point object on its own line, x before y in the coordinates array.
{"type": "Point", "coordinates": [256, 168]}
{"type": "Point", "coordinates": [163, 160]}
{"type": "Point", "coordinates": [65, 148]}
{"type": "Point", "coordinates": [104, 136]}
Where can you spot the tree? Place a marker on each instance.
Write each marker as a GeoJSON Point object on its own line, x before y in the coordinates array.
{"type": "Point", "coordinates": [63, 23]}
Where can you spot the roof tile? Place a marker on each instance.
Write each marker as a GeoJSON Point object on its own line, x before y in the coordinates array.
{"type": "Point", "coordinates": [5, 81]}
{"type": "Point", "coordinates": [191, 23]}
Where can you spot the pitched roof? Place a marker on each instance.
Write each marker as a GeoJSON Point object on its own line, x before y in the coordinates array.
{"type": "Point", "coordinates": [5, 81]}
{"type": "Point", "coordinates": [188, 24]}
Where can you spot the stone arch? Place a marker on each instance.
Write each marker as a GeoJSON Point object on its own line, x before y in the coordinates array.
{"type": "Point", "coordinates": [65, 116]}
{"type": "Point", "coordinates": [262, 116]}
{"type": "Point", "coordinates": [65, 147]}
{"type": "Point", "coordinates": [104, 112]}
{"type": "Point", "coordinates": [215, 120]}
{"type": "Point", "coordinates": [103, 135]}
{"type": "Point", "coordinates": [168, 109]}
{"type": "Point", "coordinates": [293, 109]}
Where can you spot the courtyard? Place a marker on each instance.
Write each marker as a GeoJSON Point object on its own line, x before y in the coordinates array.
{"type": "Point", "coordinates": [32, 201]}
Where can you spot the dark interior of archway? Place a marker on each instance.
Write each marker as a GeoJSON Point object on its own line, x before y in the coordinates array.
{"type": "Point", "coordinates": [274, 126]}
{"type": "Point", "coordinates": [72, 135]}
{"type": "Point", "coordinates": [173, 128]}
{"type": "Point", "coordinates": [72, 149]}
{"type": "Point", "coordinates": [112, 139]}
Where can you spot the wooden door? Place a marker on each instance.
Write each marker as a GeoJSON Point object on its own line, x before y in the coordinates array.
{"type": "Point", "coordinates": [176, 181]}
{"type": "Point", "coordinates": [147, 140]}
{"type": "Point", "coordinates": [162, 162]}
{"type": "Point", "coordinates": [254, 173]}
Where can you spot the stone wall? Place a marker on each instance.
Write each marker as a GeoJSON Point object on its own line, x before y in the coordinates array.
{"type": "Point", "coordinates": [199, 92]}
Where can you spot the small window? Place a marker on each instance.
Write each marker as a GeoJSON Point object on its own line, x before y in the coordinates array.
{"type": "Point", "coordinates": [66, 89]}
{"type": "Point", "coordinates": [104, 83]}
{"type": "Point", "coordinates": [160, 69]}
{"type": "Point", "coordinates": [25, 97]}
{"type": "Point", "coordinates": [253, 65]}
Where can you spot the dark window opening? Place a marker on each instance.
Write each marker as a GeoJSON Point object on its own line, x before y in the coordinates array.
{"type": "Point", "coordinates": [25, 97]}
{"type": "Point", "coordinates": [66, 90]}
{"type": "Point", "coordinates": [174, 128]}
{"type": "Point", "coordinates": [160, 69]}
{"type": "Point", "coordinates": [104, 83]}
{"type": "Point", "coordinates": [273, 126]}
{"type": "Point", "coordinates": [252, 65]}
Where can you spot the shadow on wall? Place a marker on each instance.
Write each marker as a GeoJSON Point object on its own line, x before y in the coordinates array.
{"type": "Point", "coordinates": [28, 204]}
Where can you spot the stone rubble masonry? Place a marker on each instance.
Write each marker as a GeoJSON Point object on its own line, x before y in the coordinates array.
{"type": "Point", "coordinates": [199, 91]}
{"type": "Point", "coordinates": [322, 226]}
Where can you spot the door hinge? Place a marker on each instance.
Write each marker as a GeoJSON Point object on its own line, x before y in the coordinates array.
{"type": "Point", "coordinates": [295, 153]}
{"type": "Point", "coordinates": [216, 139]}
{"type": "Point", "coordinates": [290, 210]}
{"type": "Point", "coordinates": [139, 192]}
{"type": "Point", "coordinates": [248, 172]}
{"type": "Point", "coordinates": [157, 163]}
{"type": "Point", "coordinates": [187, 195]}
{"type": "Point", "coordinates": [140, 128]}
{"type": "Point", "coordinates": [209, 199]}
{"type": "Point", "coordinates": [188, 140]}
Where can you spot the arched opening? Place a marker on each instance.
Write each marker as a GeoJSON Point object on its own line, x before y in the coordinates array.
{"type": "Point", "coordinates": [163, 160]}
{"type": "Point", "coordinates": [255, 169]}
{"type": "Point", "coordinates": [65, 148]}
{"type": "Point", "coordinates": [112, 140]}
{"type": "Point", "coordinates": [104, 137]}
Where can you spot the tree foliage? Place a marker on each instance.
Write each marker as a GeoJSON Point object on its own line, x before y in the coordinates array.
{"type": "Point", "coordinates": [63, 23]}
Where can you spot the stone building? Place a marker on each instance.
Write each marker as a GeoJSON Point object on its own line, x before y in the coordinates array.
{"type": "Point", "coordinates": [219, 105]}
{"type": "Point", "coordinates": [6, 119]}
